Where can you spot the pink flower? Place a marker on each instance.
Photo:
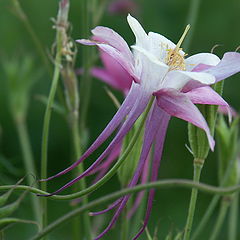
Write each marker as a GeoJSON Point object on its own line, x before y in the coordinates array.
{"type": "Point", "coordinates": [123, 7]}
{"type": "Point", "coordinates": [158, 68]}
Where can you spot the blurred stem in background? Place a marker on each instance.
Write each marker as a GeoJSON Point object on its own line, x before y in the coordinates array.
{"type": "Point", "coordinates": [191, 19]}
{"type": "Point", "coordinates": [29, 164]}
{"type": "Point", "coordinates": [220, 219]}
{"type": "Point", "coordinates": [23, 17]}
{"type": "Point", "coordinates": [20, 77]}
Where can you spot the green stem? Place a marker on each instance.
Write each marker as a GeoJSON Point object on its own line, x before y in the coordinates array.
{"type": "Point", "coordinates": [29, 163]}
{"type": "Point", "coordinates": [206, 217]}
{"type": "Point", "coordinates": [233, 218]}
{"type": "Point", "coordinates": [124, 225]}
{"type": "Point", "coordinates": [85, 87]}
{"type": "Point", "coordinates": [198, 164]}
{"type": "Point", "coordinates": [118, 194]}
{"type": "Point", "coordinates": [220, 219]}
{"type": "Point", "coordinates": [46, 123]}
{"type": "Point", "coordinates": [163, 184]}
{"type": "Point", "coordinates": [82, 183]}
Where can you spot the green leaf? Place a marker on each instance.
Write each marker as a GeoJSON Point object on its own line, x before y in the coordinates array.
{"type": "Point", "coordinates": [127, 169]}
{"type": "Point", "coordinates": [5, 196]}
{"type": "Point", "coordinates": [6, 222]}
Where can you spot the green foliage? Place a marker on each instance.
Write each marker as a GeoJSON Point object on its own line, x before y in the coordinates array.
{"type": "Point", "coordinates": [125, 172]}
{"type": "Point", "coordinates": [227, 140]}
{"type": "Point", "coordinates": [20, 76]}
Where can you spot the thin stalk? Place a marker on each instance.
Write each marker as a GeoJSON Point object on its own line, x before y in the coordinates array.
{"type": "Point", "coordinates": [23, 17]}
{"type": "Point", "coordinates": [85, 87]}
{"type": "Point", "coordinates": [126, 191]}
{"type": "Point", "coordinates": [46, 124]}
{"type": "Point", "coordinates": [82, 184]}
{"type": "Point", "coordinates": [233, 218]}
{"type": "Point", "coordinates": [29, 164]}
{"type": "Point", "coordinates": [161, 184]}
{"type": "Point", "coordinates": [198, 164]}
{"type": "Point", "coordinates": [220, 219]}
{"type": "Point", "coordinates": [191, 19]}
{"type": "Point", "coordinates": [206, 216]}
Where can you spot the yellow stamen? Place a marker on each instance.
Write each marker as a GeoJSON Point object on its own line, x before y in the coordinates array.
{"type": "Point", "coordinates": [174, 59]}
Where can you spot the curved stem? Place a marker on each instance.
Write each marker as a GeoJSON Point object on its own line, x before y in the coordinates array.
{"type": "Point", "coordinates": [29, 163]}
{"type": "Point", "coordinates": [116, 195]}
{"type": "Point", "coordinates": [220, 219]}
{"type": "Point", "coordinates": [46, 123]}
{"type": "Point", "coordinates": [86, 82]}
{"type": "Point", "coordinates": [198, 164]}
{"type": "Point", "coordinates": [167, 183]}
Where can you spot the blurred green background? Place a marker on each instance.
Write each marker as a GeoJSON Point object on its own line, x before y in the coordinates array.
{"type": "Point", "coordinates": [217, 23]}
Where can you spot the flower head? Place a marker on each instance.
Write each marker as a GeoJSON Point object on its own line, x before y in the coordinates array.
{"type": "Point", "coordinates": [159, 69]}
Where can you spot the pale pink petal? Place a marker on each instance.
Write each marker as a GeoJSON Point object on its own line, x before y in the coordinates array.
{"type": "Point", "coordinates": [179, 105]}
{"type": "Point", "coordinates": [225, 110]}
{"type": "Point", "coordinates": [113, 39]}
{"type": "Point", "coordinates": [178, 79]}
{"type": "Point", "coordinates": [205, 95]}
{"type": "Point", "coordinates": [228, 66]}
{"type": "Point", "coordinates": [201, 58]}
{"type": "Point", "coordinates": [123, 7]}
{"type": "Point", "coordinates": [123, 80]}
{"type": "Point", "coordinates": [105, 76]}
{"type": "Point", "coordinates": [120, 57]}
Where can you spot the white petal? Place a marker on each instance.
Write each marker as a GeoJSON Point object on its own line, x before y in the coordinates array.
{"type": "Point", "coordinates": [201, 58]}
{"type": "Point", "coordinates": [178, 79]}
{"type": "Point", "coordinates": [152, 70]}
{"type": "Point", "coordinates": [149, 55]}
{"type": "Point", "coordinates": [140, 34]}
{"type": "Point", "coordinates": [160, 45]}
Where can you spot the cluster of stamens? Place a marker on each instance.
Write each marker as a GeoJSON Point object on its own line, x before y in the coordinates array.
{"type": "Point", "coordinates": [174, 59]}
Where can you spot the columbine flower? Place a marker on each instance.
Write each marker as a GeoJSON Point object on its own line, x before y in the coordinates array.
{"type": "Point", "coordinates": [159, 68]}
